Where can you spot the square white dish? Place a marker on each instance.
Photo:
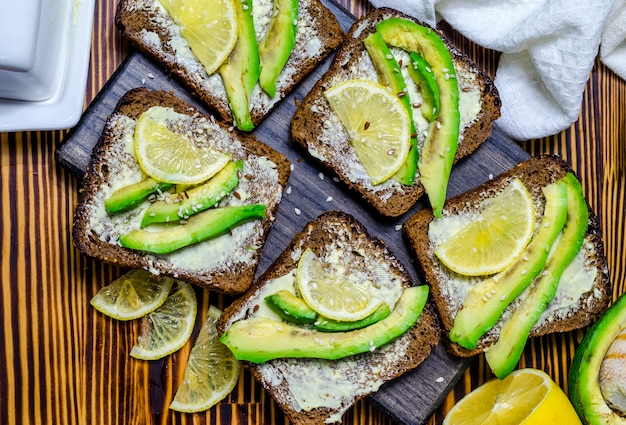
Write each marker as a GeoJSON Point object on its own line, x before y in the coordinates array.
{"type": "Point", "coordinates": [63, 107]}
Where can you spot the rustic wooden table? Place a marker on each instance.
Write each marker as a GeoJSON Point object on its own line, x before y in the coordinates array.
{"type": "Point", "coordinates": [53, 355]}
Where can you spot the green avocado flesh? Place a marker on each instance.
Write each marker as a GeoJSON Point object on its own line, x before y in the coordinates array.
{"type": "Point", "coordinates": [583, 384]}
{"type": "Point", "coordinates": [487, 300]}
{"type": "Point", "coordinates": [503, 356]}
{"type": "Point", "coordinates": [197, 199]}
{"type": "Point", "coordinates": [278, 43]}
{"type": "Point", "coordinates": [290, 307]}
{"type": "Point", "coordinates": [241, 70]}
{"type": "Point", "coordinates": [390, 75]}
{"type": "Point", "coordinates": [200, 227]}
{"type": "Point", "coordinates": [130, 196]}
{"type": "Point", "coordinates": [440, 146]}
{"type": "Point", "coordinates": [330, 325]}
{"type": "Point", "coordinates": [422, 75]}
{"type": "Point", "coordinates": [260, 339]}
{"type": "Point", "coordinates": [295, 310]}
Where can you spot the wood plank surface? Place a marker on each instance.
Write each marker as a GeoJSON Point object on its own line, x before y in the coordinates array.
{"type": "Point", "coordinates": [63, 363]}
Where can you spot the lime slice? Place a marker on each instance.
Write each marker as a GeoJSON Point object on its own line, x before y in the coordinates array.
{"type": "Point", "coordinates": [496, 238]}
{"type": "Point", "coordinates": [132, 295]}
{"type": "Point", "coordinates": [209, 26]}
{"type": "Point", "coordinates": [332, 294]}
{"type": "Point", "coordinates": [211, 372]}
{"type": "Point", "coordinates": [169, 327]}
{"type": "Point", "coordinates": [377, 123]}
{"type": "Point", "coordinates": [171, 157]}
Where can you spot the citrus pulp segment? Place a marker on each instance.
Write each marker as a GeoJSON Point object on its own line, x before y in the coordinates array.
{"type": "Point", "coordinates": [495, 238]}
{"type": "Point", "coordinates": [211, 372]}
{"type": "Point", "coordinates": [209, 26]}
{"type": "Point", "coordinates": [133, 295]}
{"type": "Point", "coordinates": [525, 397]}
{"type": "Point", "coordinates": [378, 125]}
{"type": "Point", "coordinates": [331, 294]}
{"type": "Point", "coordinates": [169, 327]}
{"type": "Point", "coordinates": [171, 157]}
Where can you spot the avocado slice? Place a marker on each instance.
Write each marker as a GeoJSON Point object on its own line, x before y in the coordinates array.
{"type": "Point", "coordinates": [259, 339]}
{"type": "Point", "coordinates": [503, 356]}
{"type": "Point", "coordinates": [291, 308]}
{"type": "Point", "coordinates": [422, 75]}
{"type": "Point", "coordinates": [197, 199]}
{"type": "Point", "coordinates": [583, 387]}
{"type": "Point", "coordinates": [128, 197]}
{"type": "Point", "coordinates": [329, 325]}
{"type": "Point", "coordinates": [390, 75]}
{"type": "Point", "coordinates": [277, 44]}
{"type": "Point", "coordinates": [241, 70]}
{"type": "Point", "coordinates": [200, 227]}
{"type": "Point", "coordinates": [294, 309]}
{"type": "Point", "coordinates": [440, 147]}
{"type": "Point", "coordinates": [487, 300]}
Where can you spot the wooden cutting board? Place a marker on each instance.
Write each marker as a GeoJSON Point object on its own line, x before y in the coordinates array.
{"type": "Point", "coordinates": [414, 397]}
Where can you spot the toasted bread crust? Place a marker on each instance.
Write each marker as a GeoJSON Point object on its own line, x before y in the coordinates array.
{"type": "Point", "coordinates": [310, 119]}
{"type": "Point", "coordinates": [104, 164]}
{"type": "Point", "coordinates": [136, 18]}
{"type": "Point", "coordinates": [535, 173]}
{"type": "Point", "coordinates": [418, 342]}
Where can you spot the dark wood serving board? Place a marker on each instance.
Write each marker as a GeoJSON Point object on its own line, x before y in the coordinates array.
{"type": "Point", "coordinates": [411, 399]}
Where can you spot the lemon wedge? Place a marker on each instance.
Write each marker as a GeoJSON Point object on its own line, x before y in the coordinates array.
{"type": "Point", "coordinates": [169, 327]}
{"type": "Point", "coordinates": [209, 26]}
{"type": "Point", "coordinates": [378, 125]}
{"type": "Point", "coordinates": [525, 397]}
{"type": "Point", "coordinates": [331, 294]}
{"type": "Point", "coordinates": [133, 295]}
{"type": "Point", "coordinates": [211, 372]}
{"type": "Point", "coordinates": [171, 157]}
{"type": "Point", "coordinates": [496, 237]}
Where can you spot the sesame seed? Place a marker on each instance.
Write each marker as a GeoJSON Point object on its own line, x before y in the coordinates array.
{"type": "Point", "coordinates": [321, 176]}
{"type": "Point", "coordinates": [389, 56]}
{"type": "Point", "coordinates": [329, 199]}
{"type": "Point", "coordinates": [439, 380]}
{"type": "Point", "coordinates": [297, 211]}
{"type": "Point", "coordinates": [150, 75]}
{"type": "Point", "coordinates": [398, 227]}
{"type": "Point", "coordinates": [391, 151]}
{"type": "Point", "coordinates": [366, 125]}
{"type": "Point", "coordinates": [288, 190]}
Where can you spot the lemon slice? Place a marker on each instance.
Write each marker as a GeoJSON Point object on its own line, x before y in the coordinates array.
{"type": "Point", "coordinates": [525, 397]}
{"type": "Point", "coordinates": [211, 372]}
{"type": "Point", "coordinates": [492, 241]}
{"type": "Point", "coordinates": [209, 26]}
{"type": "Point", "coordinates": [331, 294]}
{"type": "Point", "coordinates": [171, 157]}
{"type": "Point", "coordinates": [377, 123]}
{"type": "Point", "coordinates": [132, 295]}
{"type": "Point", "coordinates": [168, 328]}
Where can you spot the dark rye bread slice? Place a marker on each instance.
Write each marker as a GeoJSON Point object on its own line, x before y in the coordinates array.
{"type": "Point", "coordinates": [227, 264]}
{"type": "Point", "coordinates": [322, 378]}
{"type": "Point", "coordinates": [316, 129]}
{"type": "Point", "coordinates": [535, 173]}
{"type": "Point", "coordinates": [148, 27]}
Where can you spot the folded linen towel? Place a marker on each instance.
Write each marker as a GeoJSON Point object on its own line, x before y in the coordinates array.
{"type": "Point", "coordinates": [548, 50]}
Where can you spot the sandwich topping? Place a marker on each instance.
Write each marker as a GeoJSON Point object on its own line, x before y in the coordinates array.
{"type": "Point", "coordinates": [174, 216]}
{"type": "Point", "coordinates": [403, 70]}
{"type": "Point", "coordinates": [535, 288]}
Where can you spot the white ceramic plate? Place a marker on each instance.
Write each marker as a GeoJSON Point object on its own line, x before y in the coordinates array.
{"type": "Point", "coordinates": [63, 109]}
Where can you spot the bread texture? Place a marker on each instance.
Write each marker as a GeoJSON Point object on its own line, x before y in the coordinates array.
{"type": "Point", "coordinates": [150, 29]}
{"type": "Point", "coordinates": [226, 264]}
{"type": "Point", "coordinates": [331, 387]}
{"type": "Point", "coordinates": [317, 130]}
{"type": "Point", "coordinates": [572, 307]}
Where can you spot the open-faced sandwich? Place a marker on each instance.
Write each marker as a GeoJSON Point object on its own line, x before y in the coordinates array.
{"type": "Point", "coordinates": [398, 106]}
{"type": "Point", "coordinates": [240, 58]}
{"type": "Point", "coordinates": [174, 192]}
{"type": "Point", "coordinates": [519, 256]}
{"type": "Point", "coordinates": [331, 320]}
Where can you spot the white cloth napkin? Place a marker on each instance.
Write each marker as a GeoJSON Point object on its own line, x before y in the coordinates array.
{"type": "Point", "coordinates": [548, 50]}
